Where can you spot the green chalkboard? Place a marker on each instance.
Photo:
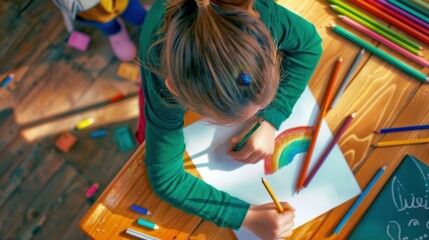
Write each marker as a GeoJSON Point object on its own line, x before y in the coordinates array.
{"type": "Point", "coordinates": [401, 209]}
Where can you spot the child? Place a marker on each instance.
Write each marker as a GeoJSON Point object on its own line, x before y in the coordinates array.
{"type": "Point", "coordinates": [104, 15]}
{"type": "Point", "coordinates": [228, 61]}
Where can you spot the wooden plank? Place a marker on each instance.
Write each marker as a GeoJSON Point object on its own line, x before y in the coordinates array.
{"type": "Point", "coordinates": [19, 5]}
{"type": "Point", "coordinates": [18, 162]}
{"type": "Point", "coordinates": [98, 160]}
{"type": "Point", "coordinates": [62, 222]}
{"type": "Point", "coordinates": [8, 127]}
{"type": "Point", "coordinates": [111, 214]}
{"type": "Point", "coordinates": [47, 164]}
{"type": "Point", "coordinates": [115, 112]}
{"type": "Point", "coordinates": [62, 86]}
{"type": "Point", "coordinates": [45, 199]}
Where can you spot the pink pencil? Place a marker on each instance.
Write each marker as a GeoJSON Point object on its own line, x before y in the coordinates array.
{"type": "Point", "coordinates": [385, 41]}
{"type": "Point", "coordinates": [328, 149]}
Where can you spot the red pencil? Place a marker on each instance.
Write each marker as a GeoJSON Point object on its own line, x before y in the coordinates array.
{"type": "Point", "coordinates": [328, 149]}
{"type": "Point", "coordinates": [324, 108]}
{"type": "Point", "coordinates": [394, 18]}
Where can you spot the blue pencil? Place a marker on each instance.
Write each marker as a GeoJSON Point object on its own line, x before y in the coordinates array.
{"type": "Point", "coordinates": [359, 200]}
{"type": "Point", "coordinates": [348, 76]}
{"type": "Point", "coordinates": [140, 210]}
{"type": "Point", "coordinates": [405, 128]}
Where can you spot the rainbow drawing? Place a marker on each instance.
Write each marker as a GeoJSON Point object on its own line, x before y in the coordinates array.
{"type": "Point", "coordinates": [288, 144]}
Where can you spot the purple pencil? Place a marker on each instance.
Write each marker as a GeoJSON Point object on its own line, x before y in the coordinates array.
{"type": "Point", "coordinates": [404, 13]}
{"type": "Point", "coordinates": [331, 145]}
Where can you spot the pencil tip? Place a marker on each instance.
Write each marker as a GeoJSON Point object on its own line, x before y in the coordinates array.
{"type": "Point", "coordinates": [340, 59]}
{"type": "Point", "coordinates": [376, 131]}
{"type": "Point", "coordinates": [353, 115]}
{"type": "Point", "coordinates": [332, 24]}
{"type": "Point", "coordinates": [384, 167]}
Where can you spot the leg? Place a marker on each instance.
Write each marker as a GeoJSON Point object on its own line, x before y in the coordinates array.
{"type": "Point", "coordinates": [134, 13]}
{"type": "Point", "coordinates": [140, 134]}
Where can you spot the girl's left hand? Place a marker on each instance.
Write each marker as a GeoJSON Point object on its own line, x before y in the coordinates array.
{"type": "Point", "coordinates": [259, 145]}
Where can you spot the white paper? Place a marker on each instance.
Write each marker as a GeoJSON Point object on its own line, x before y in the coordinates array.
{"type": "Point", "coordinates": [333, 184]}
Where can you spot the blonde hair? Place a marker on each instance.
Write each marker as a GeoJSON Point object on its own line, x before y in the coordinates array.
{"type": "Point", "coordinates": [205, 46]}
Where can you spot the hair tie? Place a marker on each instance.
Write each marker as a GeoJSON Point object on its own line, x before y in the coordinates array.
{"type": "Point", "coordinates": [244, 78]}
{"type": "Point", "coordinates": [202, 3]}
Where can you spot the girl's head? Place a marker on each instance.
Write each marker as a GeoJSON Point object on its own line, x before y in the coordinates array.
{"type": "Point", "coordinates": [207, 48]}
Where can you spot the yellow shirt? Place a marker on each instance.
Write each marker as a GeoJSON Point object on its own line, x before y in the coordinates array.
{"type": "Point", "coordinates": [105, 11]}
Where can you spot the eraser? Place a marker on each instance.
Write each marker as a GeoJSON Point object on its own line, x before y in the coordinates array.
{"type": "Point", "coordinates": [79, 40]}
{"type": "Point", "coordinates": [98, 133]}
{"type": "Point", "coordinates": [124, 138]}
{"type": "Point", "coordinates": [65, 141]}
{"type": "Point", "coordinates": [129, 71]}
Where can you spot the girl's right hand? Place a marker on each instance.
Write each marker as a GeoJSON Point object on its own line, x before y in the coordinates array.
{"type": "Point", "coordinates": [265, 222]}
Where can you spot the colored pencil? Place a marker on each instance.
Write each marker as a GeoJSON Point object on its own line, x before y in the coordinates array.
{"type": "Point", "coordinates": [140, 210]}
{"type": "Point", "coordinates": [414, 19]}
{"type": "Point", "coordinates": [385, 32]}
{"type": "Point", "coordinates": [359, 200]}
{"type": "Point", "coordinates": [386, 42]}
{"type": "Point", "coordinates": [323, 110]}
{"type": "Point", "coordinates": [270, 191]}
{"type": "Point", "coordinates": [421, 3]}
{"type": "Point", "coordinates": [409, 10]}
{"type": "Point", "coordinates": [148, 224]}
{"type": "Point", "coordinates": [373, 21]}
{"type": "Point", "coordinates": [139, 235]}
{"type": "Point", "coordinates": [414, 5]}
{"type": "Point", "coordinates": [7, 80]}
{"type": "Point", "coordinates": [405, 128]}
{"type": "Point", "coordinates": [381, 54]}
{"type": "Point", "coordinates": [402, 142]}
{"type": "Point", "coordinates": [394, 18]}
{"type": "Point", "coordinates": [348, 77]}
{"type": "Point", "coordinates": [243, 141]}
{"type": "Point", "coordinates": [329, 148]}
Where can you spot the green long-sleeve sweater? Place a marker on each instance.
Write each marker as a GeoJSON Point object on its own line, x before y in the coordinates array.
{"type": "Point", "coordinates": [300, 44]}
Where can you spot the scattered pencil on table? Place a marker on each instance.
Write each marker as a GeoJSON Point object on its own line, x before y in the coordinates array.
{"type": "Point", "coordinates": [139, 235]}
{"type": "Point", "coordinates": [270, 191]}
{"type": "Point", "coordinates": [140, 210]}
{"type": "Point", "coordinates": [243, 141]}
{"type": "Point", "coordinates": [7, 80]}
{"type": "Point", "coordinates": [348, 77]}
{"type": "Point", "coordinates": [323, 110]}
{"type": "Point", "coordinates": [383, 55]}
{"type": "Point", "coordinates": [99, 133]}
{"type": "Point", "coordinates": [148, 224]}
{"type": "Point", "coordinates": [416, 58]}
{"type": "Point", "coordinates": [402, 142]}
{"type": "Point", "coordinates": [356, 204]}
{"type": "Point", "coordinates": [85, 123]}
{"type": "Point", "coordinates": [403, 129]}
{"type": "Point", "coordinates": [329, 148]}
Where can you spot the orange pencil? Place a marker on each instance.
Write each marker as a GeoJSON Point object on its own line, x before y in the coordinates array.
{"type": "Point", "coordinates": [323, 110]}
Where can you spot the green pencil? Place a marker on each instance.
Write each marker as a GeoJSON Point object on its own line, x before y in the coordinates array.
{"type": "Point", "coordinates": [381, 30]}
{"type": "Point", "coordinates": [243, 141]}
{"type": "Point", "coordinates": [421, 4]}
{"type": "Point", "coordinates": [381, 54]}
{"type": "Point", "coordinates": [410, 10]}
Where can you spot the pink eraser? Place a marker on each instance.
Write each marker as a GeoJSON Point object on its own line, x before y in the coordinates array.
{"type": "Point", "coordinates": [91, 191]}
{"type": "Point", "coordinates": [79, 41]}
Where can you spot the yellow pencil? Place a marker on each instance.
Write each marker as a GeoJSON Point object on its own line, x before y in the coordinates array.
{"type": "Point", "coordinates": [270, 191]}
{"type": "Point", "coordinates": [402, 142]}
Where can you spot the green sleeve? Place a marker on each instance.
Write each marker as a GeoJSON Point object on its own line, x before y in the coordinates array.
{"type": "Point", "coordinates": [300, 45]}
{"type": "Point", "coordinates": [165, 148]}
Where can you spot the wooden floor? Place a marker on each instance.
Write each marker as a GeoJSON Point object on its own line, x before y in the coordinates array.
{"type": "Point", "coordinates": [56, 86]}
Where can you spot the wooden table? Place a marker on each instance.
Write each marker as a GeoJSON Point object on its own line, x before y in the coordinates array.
{"type": "Point", "coordinates": [381, 95]}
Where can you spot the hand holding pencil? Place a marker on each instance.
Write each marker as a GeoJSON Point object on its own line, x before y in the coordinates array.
{"type": "Point", "coordinates": [255, 144]}
{"type": "Point", "coordinates": [272, 220]}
